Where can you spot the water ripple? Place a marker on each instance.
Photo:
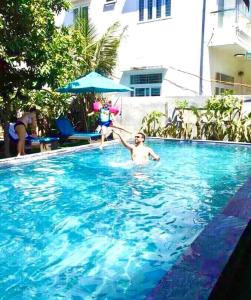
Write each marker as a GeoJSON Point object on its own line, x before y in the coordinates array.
{"type": "Point", "coordinates": [93, 226]}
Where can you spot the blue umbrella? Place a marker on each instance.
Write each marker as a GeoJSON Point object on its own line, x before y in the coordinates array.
{"type": "Point", "coordinates": [94, 83]}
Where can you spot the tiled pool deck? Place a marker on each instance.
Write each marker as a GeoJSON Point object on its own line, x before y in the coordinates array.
{"type": "Point", "coordinates": [195, 274]}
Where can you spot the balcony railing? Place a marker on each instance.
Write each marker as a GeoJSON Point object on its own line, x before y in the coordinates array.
{"type": "Point", "coordinates": [232, 21]}
{"type": "Point", "coordinates": [232, 13]}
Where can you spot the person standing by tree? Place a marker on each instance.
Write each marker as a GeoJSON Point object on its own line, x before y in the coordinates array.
{"type": "Point", "coordinates": [21, 126]}
{"type": "Point", "coordinates": [27, 30]}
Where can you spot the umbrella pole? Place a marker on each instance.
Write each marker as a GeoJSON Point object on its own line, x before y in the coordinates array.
{"type": "Point", "coordinates": [85, 111]}
{"type": "Point", "coordinates": [88, 103]}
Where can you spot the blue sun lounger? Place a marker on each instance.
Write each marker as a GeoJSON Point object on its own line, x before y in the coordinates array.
{"type": "Point", "coordinates": [43, 142]}
{"type": "Point", "coordinates": [66, 130]}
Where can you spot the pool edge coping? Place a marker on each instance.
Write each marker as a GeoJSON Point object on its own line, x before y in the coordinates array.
{"type": "Point", "coordinates": [8, 162]}
{"type": "Point", "coordinates": [203, 141]}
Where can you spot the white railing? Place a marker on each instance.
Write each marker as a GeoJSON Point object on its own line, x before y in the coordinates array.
{"type": "Point", "coordinates": [231, 24]}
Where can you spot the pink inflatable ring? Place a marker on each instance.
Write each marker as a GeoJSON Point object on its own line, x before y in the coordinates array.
{"type": "Point", "coordinates": [113, 110]}
{"type": "Point", "coordinates": [97, 105]}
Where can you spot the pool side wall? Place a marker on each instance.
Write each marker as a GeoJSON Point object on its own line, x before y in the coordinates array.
{"type": "Point", "coordinates": [8, 162]}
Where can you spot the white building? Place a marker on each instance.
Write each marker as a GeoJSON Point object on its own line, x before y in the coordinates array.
{"type": "Point", "coordinates": [177, 48]}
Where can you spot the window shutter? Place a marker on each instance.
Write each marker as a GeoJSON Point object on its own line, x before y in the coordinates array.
{"type": "Point", "coordinates": [84, 12]}
{"type": "Point", "coordinates": [150, 9]}
{"type": "Point", "coordinates": [168, 8]}
{"type": "Point", "coordinates": [141, 10]}
{"type": "Point", "coordinates": [75, 14]}
{"type": "Point", "coordinates": [158, 8]}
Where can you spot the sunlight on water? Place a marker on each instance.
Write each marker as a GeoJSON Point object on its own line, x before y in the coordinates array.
{"type": "Point", "coordinates": [91, 225]}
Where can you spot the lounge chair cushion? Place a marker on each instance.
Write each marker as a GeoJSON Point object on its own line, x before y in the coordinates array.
{"type": "Point", "coordinates": [65, 127]}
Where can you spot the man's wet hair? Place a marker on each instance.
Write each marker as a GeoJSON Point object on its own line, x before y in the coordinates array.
{"type": "Point", "coordinates": [143, 135]}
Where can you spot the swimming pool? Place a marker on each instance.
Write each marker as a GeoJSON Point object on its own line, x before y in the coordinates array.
{"type": "Point", "coordinates": [91, 225]}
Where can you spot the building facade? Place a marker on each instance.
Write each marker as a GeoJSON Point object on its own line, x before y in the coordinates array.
{"type": "Point", "coordinates": [176, 48]}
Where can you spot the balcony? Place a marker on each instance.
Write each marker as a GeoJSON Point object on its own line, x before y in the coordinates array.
{"type": "Point", "coordinates": [231, 25]}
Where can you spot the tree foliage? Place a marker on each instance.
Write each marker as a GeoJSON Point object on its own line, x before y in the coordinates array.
{"type": "Point", "coordinates": [78, 50]}
{"type": "Point", "coordinates": [36, 57]}
{"type": "Point", "coordinates": [26, 30]}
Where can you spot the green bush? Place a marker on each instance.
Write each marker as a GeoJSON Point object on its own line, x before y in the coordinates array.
{"type": "Point", "coordinates": [222, 118]}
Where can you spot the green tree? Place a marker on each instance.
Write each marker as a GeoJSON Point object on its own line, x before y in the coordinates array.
{"type": "Point", "coordinates": [78, 50]}
{"type": "Point", "coordinates": [36, 57]}
{"type": "Point", "coordinates": [26, 30]}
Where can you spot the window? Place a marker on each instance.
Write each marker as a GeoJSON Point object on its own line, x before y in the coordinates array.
{"type": "Point", "coordinates": [158, 8]}
{"type": "Point", "coordinates": [155, 9]}
{"type": "Point", "coordinates": [146, 78]}
{"type": "Point", "coordinates": [146, 92]}
{"type": "Point", "coordinates": [155, 91]}
{"type": "Point", "coordinates": [141, 10]}
{"type": "Point", "coordinates": [140, 92]}
{"type": "Point", "coordinates": [80, 12]}
{"type": "Point", "coordinates": [150, 9]}
{"type": "Point", "coordinates": [225, 78]}
{"type": "Point", "coordinates": [146, 85]}
{"type": "Point", "coordinates": [84, 12]}
{"type": "Point", "coordinates": [75, 14]}
{"type": "Point", "coordinates": [224, 83]}
{"type": "Point", "coordinates": [168, 8]}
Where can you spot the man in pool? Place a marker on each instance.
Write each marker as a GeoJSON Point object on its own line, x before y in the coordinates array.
{"type": "Point", "coordinates": [139, 152]}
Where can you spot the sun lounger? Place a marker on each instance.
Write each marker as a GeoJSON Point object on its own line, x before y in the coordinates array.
{"type": "Point", "coordinates": [66, 130]}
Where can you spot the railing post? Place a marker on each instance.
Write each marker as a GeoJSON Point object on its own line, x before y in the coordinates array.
{"type": "Point", "coordinates": [236, 11]}
{"type": "Point", "coordinates": [202, 48]}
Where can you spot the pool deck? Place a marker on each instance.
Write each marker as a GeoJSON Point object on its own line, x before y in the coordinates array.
{"type": "Point", "coordinates": [196, 273]}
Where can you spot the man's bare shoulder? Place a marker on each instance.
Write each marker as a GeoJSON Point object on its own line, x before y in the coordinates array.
{"type": "Point", "coordinates": [148, 149]}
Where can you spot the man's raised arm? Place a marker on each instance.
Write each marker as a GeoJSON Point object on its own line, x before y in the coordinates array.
{"type": "Point", "coordinates": [127, 145]}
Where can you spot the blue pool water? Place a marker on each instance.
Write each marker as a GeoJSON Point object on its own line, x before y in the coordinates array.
{"type": "Point", "coordinates": [90, 225]}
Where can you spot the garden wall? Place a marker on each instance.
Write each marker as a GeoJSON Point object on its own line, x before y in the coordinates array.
{"type": "Point", "coordinates": [133, 109]}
